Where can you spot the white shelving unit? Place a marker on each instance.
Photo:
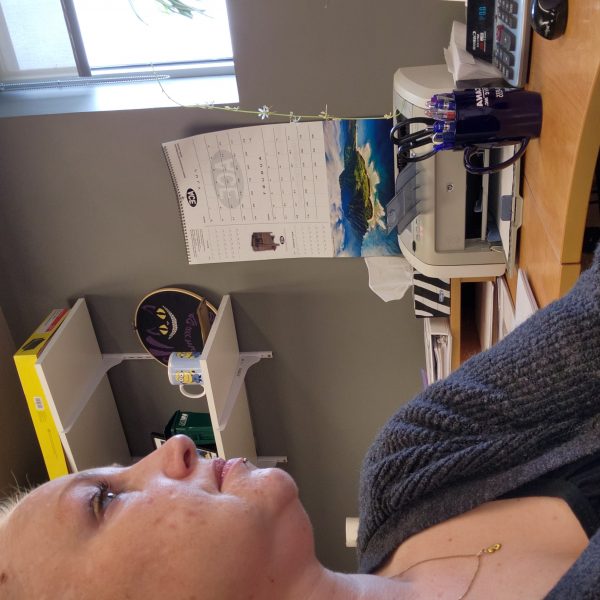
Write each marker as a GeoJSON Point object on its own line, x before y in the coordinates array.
{"type": "Point", "coordinates": [73, 374]}
{"type": "Point", "coordinates": [224, 368]}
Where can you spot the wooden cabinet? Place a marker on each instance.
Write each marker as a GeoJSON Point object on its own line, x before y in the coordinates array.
{"type": "Point", "coordinates": [472, 313]}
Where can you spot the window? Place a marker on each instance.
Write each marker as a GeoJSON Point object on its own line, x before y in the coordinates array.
{"type": "Point", "coordinates": [108, 40]}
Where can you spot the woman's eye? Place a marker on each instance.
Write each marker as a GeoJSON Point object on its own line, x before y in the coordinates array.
{"type": "Point", "coordinates": [101, 498]}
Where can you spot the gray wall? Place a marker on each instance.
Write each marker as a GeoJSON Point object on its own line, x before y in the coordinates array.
{"type": "Point", "coordinates": [87, 209]}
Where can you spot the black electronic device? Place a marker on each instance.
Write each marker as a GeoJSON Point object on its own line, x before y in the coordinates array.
{"type": "Point", "coordinates": [549, 17]}
{"type": "Point", "coordinates": [480, 28]}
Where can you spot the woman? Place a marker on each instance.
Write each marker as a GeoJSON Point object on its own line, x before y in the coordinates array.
{"type": "Point", "coordinates": [170, 526]}
{"type": "Point", "coordinates": [499, 456]}
{"type": "Point", "coordinates": [509, 446]}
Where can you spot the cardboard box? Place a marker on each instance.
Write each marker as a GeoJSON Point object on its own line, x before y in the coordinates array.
{"type": "Point", "coordinates": [43, 422]}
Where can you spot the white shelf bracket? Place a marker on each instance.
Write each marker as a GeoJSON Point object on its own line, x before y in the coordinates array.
{"type": "Point", "coordinates": [247, 359]}
{"type": "Point", "coordinates": [108, 361]}
{"type": "Point", "coordinates": [265, 462]}
{"type": "Point", "coordinates": [112, 360]}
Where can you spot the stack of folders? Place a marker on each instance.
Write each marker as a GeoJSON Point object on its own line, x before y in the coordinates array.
{"type": "Point", "coordinates": [512, 315]}
{"type": "Point", "coordinates": [438, 348]}
{"type": "Point", "coordinates": [525, 302]}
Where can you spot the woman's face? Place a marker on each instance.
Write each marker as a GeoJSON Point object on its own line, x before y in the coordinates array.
{"type": "Point", "coordinates": [170, 526]}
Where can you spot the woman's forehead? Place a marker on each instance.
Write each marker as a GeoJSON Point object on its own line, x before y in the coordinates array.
{"type": "Point", "coordinates": [38, 513]}
{"type": "Point", "coordinates": [34, 505]}
{"type": "Point", "coordinates": [40, 537]}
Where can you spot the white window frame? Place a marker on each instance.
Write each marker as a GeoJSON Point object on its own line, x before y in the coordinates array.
{"type": "Point", "coordinates": [140, 86]}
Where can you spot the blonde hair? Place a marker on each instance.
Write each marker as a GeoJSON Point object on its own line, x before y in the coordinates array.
{"type": "Point", "coordinates": [9, 503]}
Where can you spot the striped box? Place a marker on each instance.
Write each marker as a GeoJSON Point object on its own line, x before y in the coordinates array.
{"type": "Point", "coordinates": [431, 296]}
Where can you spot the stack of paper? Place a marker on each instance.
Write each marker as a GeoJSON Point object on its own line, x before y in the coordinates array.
{"type": "Point", "coordinates": [525, 304]}
{"type": "Point", "coordinates": [463, 65]}
{"type": "Point", "coordinates": [506, 310]}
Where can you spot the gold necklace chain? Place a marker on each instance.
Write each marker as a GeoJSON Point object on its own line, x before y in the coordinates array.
{"type": "Point", "coordinates": [489, 550]}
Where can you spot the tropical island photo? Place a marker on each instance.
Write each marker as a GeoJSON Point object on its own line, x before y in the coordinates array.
{"type": "Point", "coordinates": [360, 172]}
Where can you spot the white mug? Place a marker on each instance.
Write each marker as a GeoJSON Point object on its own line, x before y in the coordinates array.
{"type": "Point", "coordinates": [184, 368]}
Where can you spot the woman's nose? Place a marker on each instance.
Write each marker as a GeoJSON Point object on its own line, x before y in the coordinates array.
{"type": "Point", "coordinates": [177, 457]}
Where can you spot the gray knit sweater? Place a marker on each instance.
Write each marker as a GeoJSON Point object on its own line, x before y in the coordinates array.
{"type": "Point", "coordinates": [525, 407]}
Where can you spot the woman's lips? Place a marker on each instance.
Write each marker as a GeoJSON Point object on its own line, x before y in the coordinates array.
{"type": "Point", "coordinates": [222, 468]}
{"type": "Point", "coordinates": [219, 467]}
{"type": "Point", "coordinates": [227, 468]}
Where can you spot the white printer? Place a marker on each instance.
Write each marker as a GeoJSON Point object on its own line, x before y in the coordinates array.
{"type": "Point", "coordinates": [446, 233]}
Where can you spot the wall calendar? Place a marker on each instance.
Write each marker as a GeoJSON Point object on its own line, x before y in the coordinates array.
{"type": "Point", "coordinates": [289, 190]}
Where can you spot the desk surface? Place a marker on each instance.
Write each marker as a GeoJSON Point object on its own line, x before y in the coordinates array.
{"type": "Point", "coordinates": [559, 165]}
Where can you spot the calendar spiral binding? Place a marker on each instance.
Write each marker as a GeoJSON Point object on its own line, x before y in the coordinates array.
{"type": "Point", "coordinates": [179, 202]}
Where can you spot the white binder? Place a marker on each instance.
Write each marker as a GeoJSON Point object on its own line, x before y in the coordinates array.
{"type": "Point", "coordinates": [438, 348]}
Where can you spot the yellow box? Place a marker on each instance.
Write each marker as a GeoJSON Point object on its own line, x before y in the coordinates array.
{"type": "Point", "coordinates": [43, 422]}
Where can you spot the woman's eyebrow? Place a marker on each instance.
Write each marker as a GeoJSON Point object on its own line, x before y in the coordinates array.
{"type": "Point", "coordinates": [76, 480]}
{"type": "Point", "coordinates": [69, 507]}
{"type": "Point", "coordinates": [92, 476]}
